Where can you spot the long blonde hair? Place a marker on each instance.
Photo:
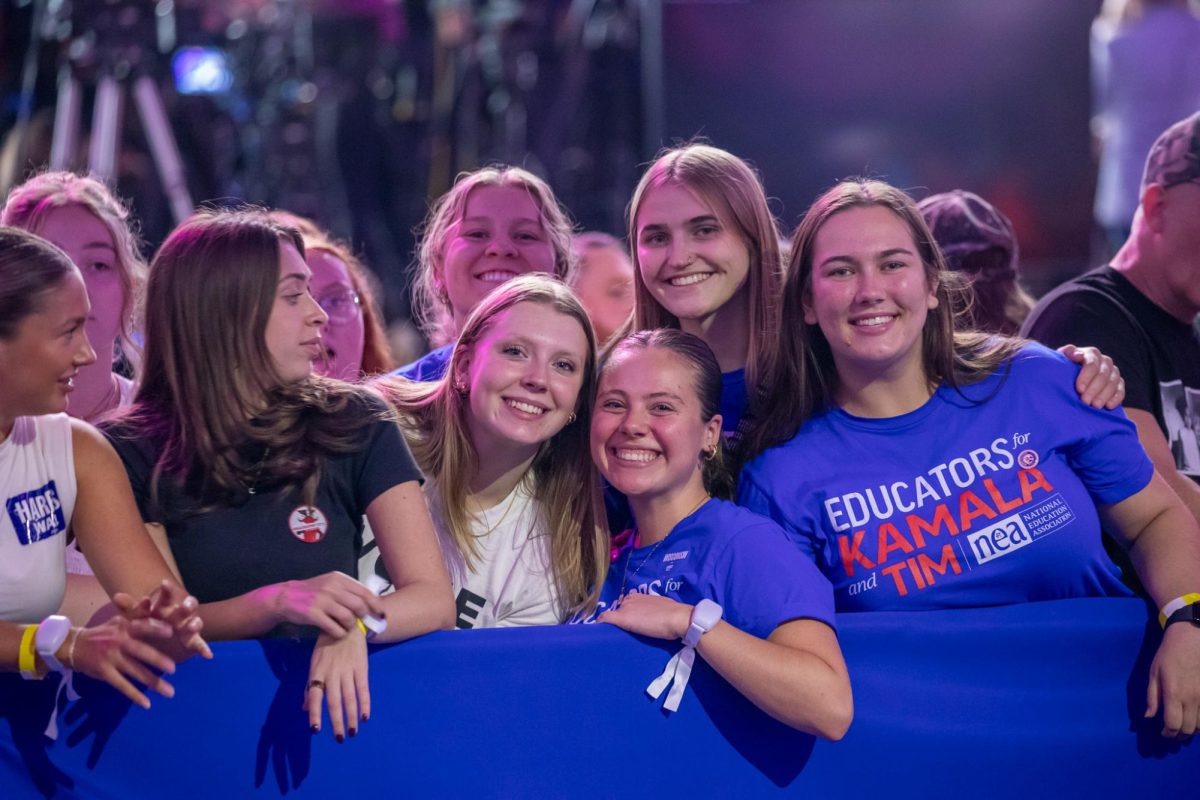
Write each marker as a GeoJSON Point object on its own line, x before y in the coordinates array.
{"type": "Point", "coordinates": [735, 192]}
{"type": "Point", "coordinates": [29, 204]}
{"type": "Point", "coordinates": [430, 303]}
{"type": "Point", "coordinates": [566, 484]}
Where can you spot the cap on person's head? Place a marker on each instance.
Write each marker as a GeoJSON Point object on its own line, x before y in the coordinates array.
{"type": "Point", "coordinates": [1175, 156]}
{"type": "Point", "coordinates": [964, 224]}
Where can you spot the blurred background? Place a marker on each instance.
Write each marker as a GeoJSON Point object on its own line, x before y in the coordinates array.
{"type": "Point", "coordinates": [360, 112]}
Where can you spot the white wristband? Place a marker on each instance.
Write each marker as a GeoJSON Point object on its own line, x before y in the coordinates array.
{"type": "Point", "coordinates": [50, 635]}
{"type": "Point", "coordinates": [705, 617]}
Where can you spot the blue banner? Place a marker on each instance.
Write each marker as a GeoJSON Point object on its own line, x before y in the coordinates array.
{"type": "Point", "coordinates": [1036, 700]}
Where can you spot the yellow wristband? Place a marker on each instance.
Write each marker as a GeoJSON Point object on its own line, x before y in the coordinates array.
{"type": "Point", "coordinates": [362, 626]}
{"type": "Point", "coordinates": [27, 656]}
{"type": "Point", "coordinates": [1176, 604]}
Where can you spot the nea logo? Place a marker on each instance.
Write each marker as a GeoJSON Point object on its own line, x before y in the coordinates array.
{"type": "Point", "coordinates": [36, 515]}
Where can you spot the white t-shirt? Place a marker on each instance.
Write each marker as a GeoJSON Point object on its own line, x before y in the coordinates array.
{"type": "Point", "coordinates": [512, 583]}
{"type": "Point", "coordinates": [37, 482]}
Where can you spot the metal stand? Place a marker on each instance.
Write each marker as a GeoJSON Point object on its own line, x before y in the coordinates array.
{"type": "Point", "coordinates": [105, 141]}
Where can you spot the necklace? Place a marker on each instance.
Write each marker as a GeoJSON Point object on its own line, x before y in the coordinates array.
{"type": "Point", "coordinates": [650, 555]}
{"type": "Point", "coordinates": [252, 486]}
{"type": "Point", "coordinates": [482, 513]}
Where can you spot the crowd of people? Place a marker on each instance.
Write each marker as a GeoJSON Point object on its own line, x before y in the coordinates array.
{"type": "Point", "coordinates": [714, 436]}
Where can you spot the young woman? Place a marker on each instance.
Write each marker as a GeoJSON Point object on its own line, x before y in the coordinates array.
{"type": "Point", "coordinates": [656, 437]}
{"type": "Point", "coordinates": [707, 255]}
{"type": "Point", "coordinates": [494, 224]}
{"type": "Point", "coordinates": [924, 468]}
{"type": "Point", "coordinates": [57, 472]}
{"type": "Point", "coordinates": [259, 472]}
{"type": "Point", "coordinates": [81, 216]}
{"type": "Point", "coordinates": [502, 439]}
{"type": "Point", "coordinates": [356, 345]}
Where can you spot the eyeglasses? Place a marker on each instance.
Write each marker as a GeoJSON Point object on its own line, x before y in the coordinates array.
{"type": "Point", "coordinates": [342, 305]}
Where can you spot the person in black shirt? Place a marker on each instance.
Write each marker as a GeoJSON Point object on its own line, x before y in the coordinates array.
{"type": "Point", "coordinates": [260, 473]}
{"type": "Point", "coordinates": [1140, 310]}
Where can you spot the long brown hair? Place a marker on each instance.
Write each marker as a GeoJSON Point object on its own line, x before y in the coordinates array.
{"type": "Point", "coordinates": [736, 194]}
{"type": "Point", "coordinates": [566, 484]}
{"type": "Point", "coordinates": [210, 387]}
{"type": "Point", "coordinates": [806, 376]}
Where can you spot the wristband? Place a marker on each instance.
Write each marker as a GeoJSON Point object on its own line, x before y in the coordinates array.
{"type": "Point", "coordinates": [705, 617]}
{"type": "Point", "coordinates": [50, 636]}
{"type": "Point", "coordinates": [27, 656]}
{"type": "Point", "coordinates": [1176, 604]}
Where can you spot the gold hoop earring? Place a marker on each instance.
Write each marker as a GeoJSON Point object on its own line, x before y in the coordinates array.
{"type": "Point", "coordinates": [710, 454]}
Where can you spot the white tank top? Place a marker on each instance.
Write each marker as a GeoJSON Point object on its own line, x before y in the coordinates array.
{"type": "Point", "coordinates": [37, 486]}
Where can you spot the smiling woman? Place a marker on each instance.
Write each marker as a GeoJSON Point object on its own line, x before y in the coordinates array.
{"type": "Point", "coordinates": [890, 427]}
{"type": "Point", "coordinates": [697, 567]}
{"type": "Point", "coordinates": [259, 472]}
{"type": "Point", "coordinates": [494, 224]}
{"type": "Point", "coordinates": [707, 255]}
{"type": "Point", "coordinates": [55, 473]}
{"type": "Point", "coordinates": [503, 440]}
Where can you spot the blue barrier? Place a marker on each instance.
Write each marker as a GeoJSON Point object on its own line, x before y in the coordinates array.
{"type": "Point", "coordinates": [1035, 700]}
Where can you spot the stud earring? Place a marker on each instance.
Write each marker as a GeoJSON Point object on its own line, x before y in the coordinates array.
{"type": "Point", "coordinates": [571, 418]}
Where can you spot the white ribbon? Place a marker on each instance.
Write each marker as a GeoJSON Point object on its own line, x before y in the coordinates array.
{"type": "Point", "coordinates": [67, 684]}
{"type": "Point", "coordinates": [676, 675]}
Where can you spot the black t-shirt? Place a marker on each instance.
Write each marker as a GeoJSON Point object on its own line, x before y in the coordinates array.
{"type": "Point", "coordinates": [271, 536]}
{"type": "Point", "coordinates": [1159, 358]}
{"type": "Point", "coordinates": [1158, 355]}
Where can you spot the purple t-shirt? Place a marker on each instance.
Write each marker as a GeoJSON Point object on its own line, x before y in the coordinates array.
{"type": "Point", "coordinates": [737, 559]}
{"type": "Point", "coordinates": [981, 497]}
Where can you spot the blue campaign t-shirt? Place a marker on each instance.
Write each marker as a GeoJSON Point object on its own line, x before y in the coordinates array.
{"type": "Point", "coordinates": [739, 560]}
{"type": "Point", "coordinates": [980, 497]}
{"type": "Point", "coordinates": [733, 399]}
{"type": "Point", "coordinates": [429, 367]}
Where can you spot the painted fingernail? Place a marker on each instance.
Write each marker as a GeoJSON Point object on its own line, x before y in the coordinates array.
{"type": "Point", "coordinates": [353, 732]}
{"type": "Point", "coordinates": [340, 738]}
{"type": "Point", "coordinates": [316, 728]}
{"type": "Point", "coordinates": [365, 717]}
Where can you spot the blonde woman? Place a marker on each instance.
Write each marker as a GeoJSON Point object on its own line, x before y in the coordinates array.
{"type": "Point", "coordinates": [503, 442]}
{"type": "Point", "coordinates": [494, 224]}
{"type": "Point", "coordinates": [84, 218]}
